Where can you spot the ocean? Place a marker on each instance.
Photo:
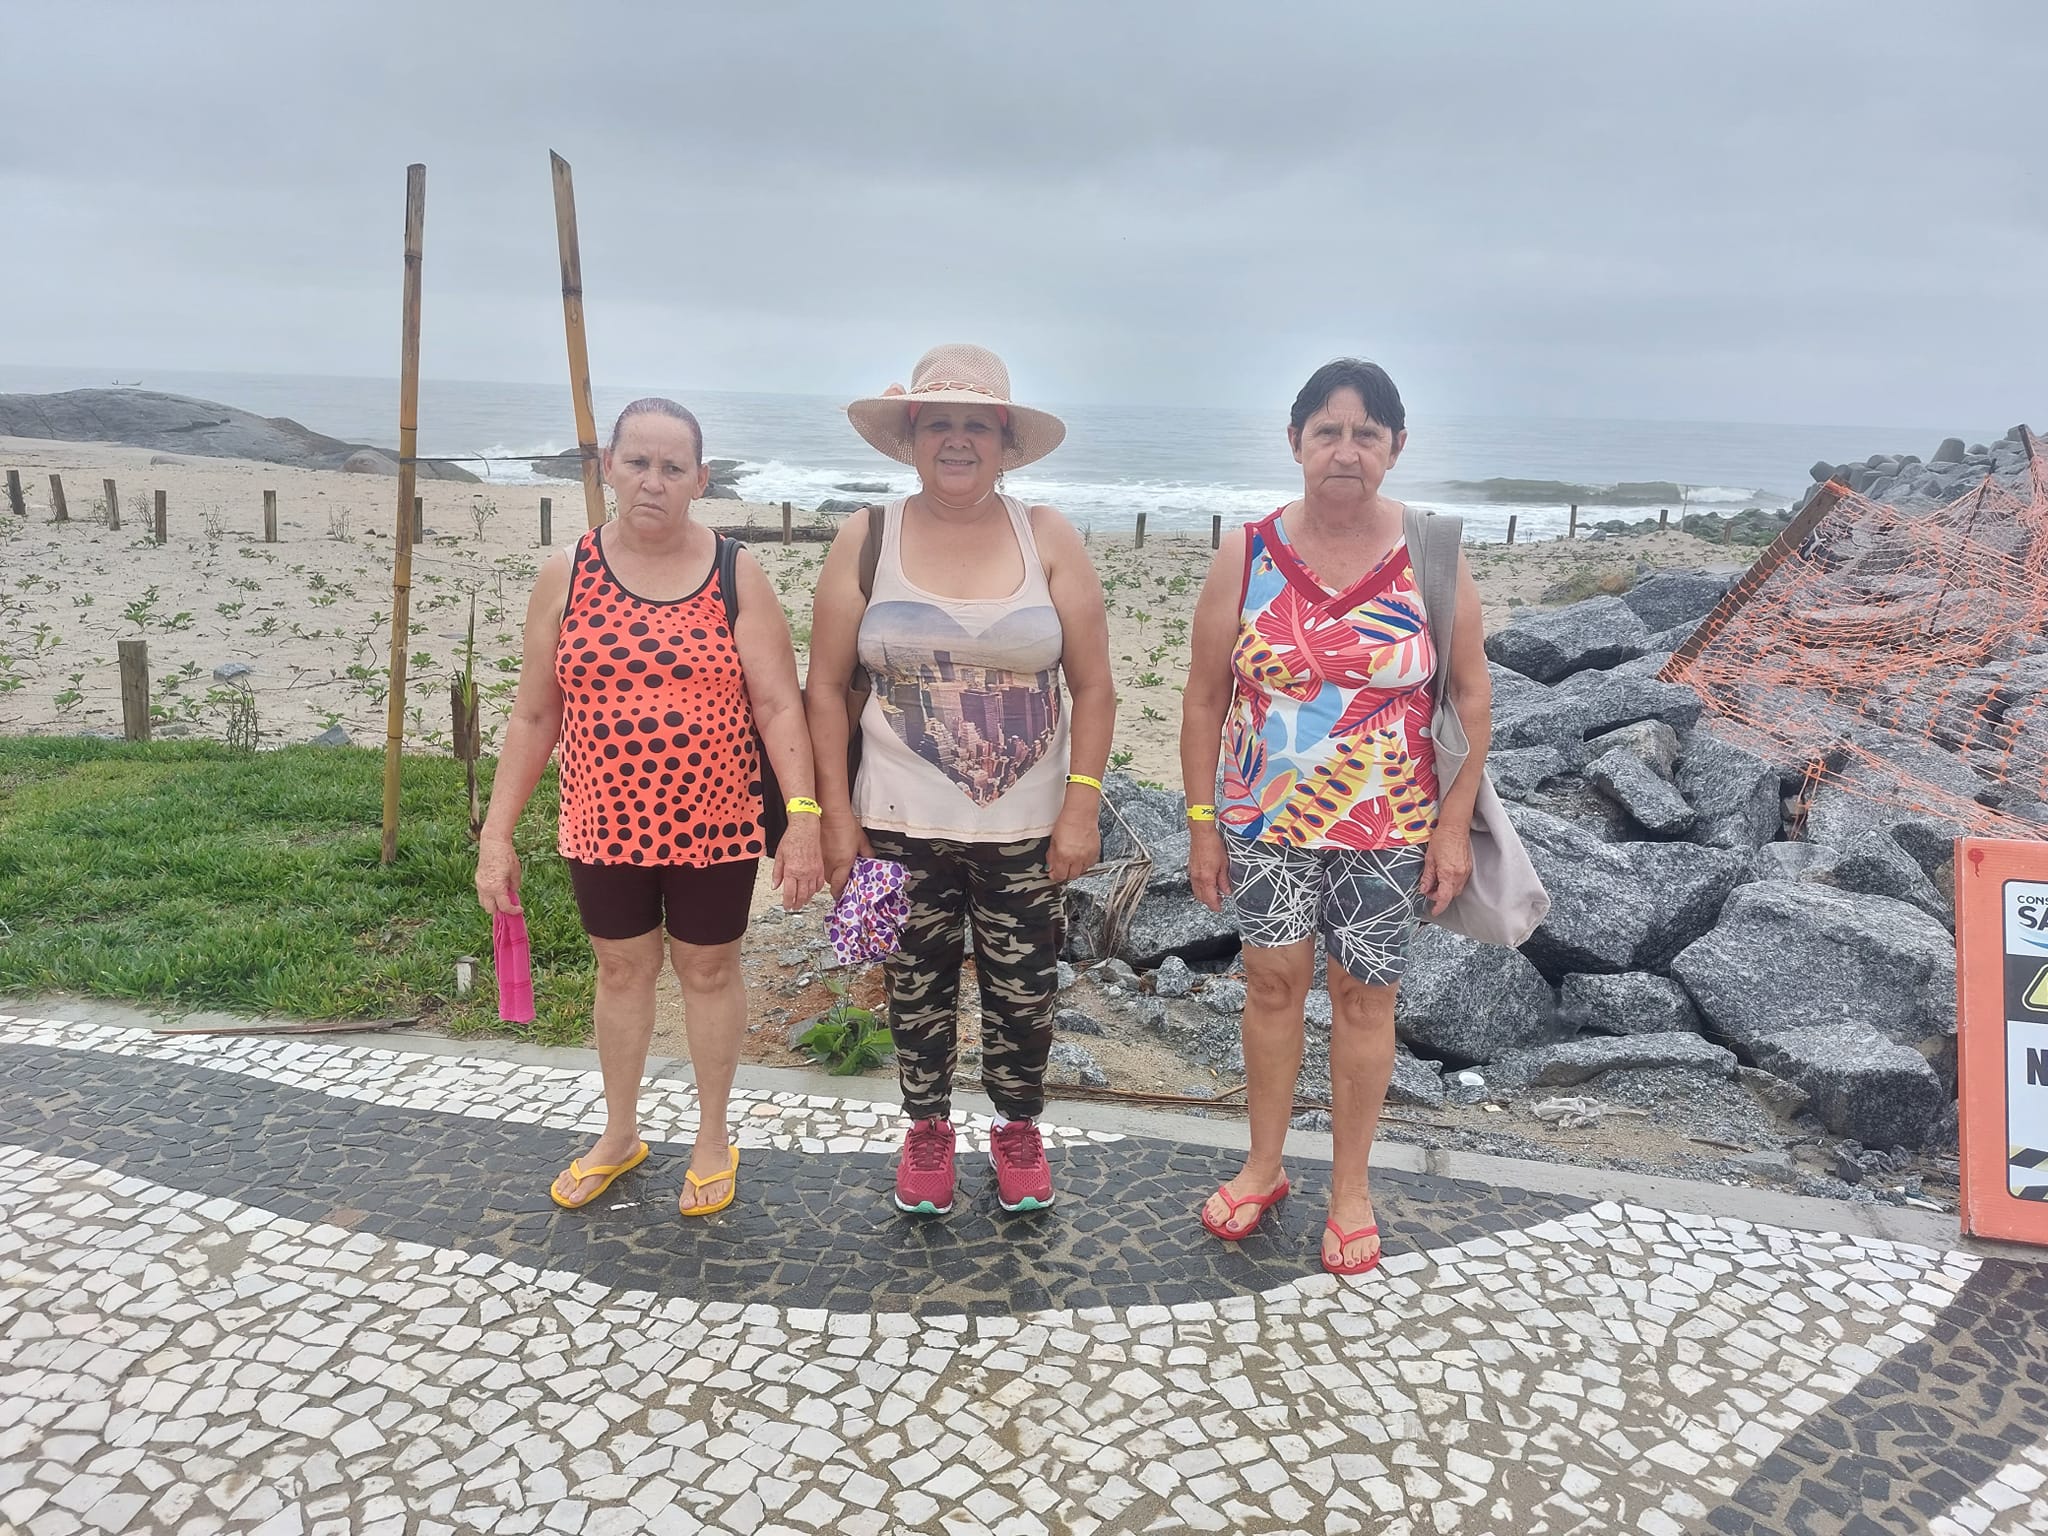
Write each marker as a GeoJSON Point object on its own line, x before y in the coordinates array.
{"type": "Point", "coordinates": [1178, 465]}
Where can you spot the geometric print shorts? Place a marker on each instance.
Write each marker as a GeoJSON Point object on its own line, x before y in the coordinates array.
{"type": "Point", "coordinates": [1362, 901]}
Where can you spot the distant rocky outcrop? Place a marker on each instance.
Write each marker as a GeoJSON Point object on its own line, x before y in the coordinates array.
{"type": "Point", "coordinates": [146, 418]}
{"type": "Point", "coordinates": [724, 484]}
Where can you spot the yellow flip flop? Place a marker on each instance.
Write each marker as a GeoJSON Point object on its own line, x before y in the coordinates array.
{"type": "Point", "coordinates": [698, 1181]}
{"type": "Point", "coordinates": [607, 1172]}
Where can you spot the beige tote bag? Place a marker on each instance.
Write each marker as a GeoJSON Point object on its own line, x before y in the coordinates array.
{"type": "Point", "coordinates": [1504, 901]}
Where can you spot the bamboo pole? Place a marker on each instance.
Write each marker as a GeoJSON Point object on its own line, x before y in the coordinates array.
{"type": "Point", "coordinates": [57, 503]}
{"type": "Point", "coordinates": [401, 544]}
{"type": "Point", "coordinates": [572, 325]}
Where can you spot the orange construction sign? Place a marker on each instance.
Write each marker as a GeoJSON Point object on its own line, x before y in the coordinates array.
{"type": "Point", "coordinates": [2002, 1036]}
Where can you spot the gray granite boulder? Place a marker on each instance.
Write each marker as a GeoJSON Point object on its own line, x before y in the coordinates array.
{"type": "Point", "coordinates": [1793, 861]}
{"type": "Point", "coordinates": [1633, 1003]}
{"type": "Point", "coordinates": [1654, 742]}
{"type": "Point", "coordinates": [1071, 1064]}
{"type": "Point", "coordinates": [1861, 1084]}
{"type": "Point", "coordinates": [1415, 1082]}
{"type": "Point", "coordinates": [1173, 978]}
{"type": "Point", "coordinates": [1669, 598]}
{"type": "Point", "coordinates": [1538, 717]}
{"type": "Point", "coordinates": [1518, 772]}
{"type": "Point", "coordinates": [1464, 1001]}
{"type": "Point", "coordinates": [1567, 1063]}
{"type": "Point", "coordinates": [1618, 906]}
{"type": "Point", "coordinates": [1734, 791]}
{"type": "Point", "coordinates": [1224, 996]}
{"type": "Point", "coordinates": [1606, 700]}
{"type": "Point", "coordinates": [1176, 924]}
{"type": "Point", "coordinates": [1793, 955]}
{"type": "Point", "coordinates": [1874, 864]}
{"type": "Point", "coordinates": [1072, 1021]}
{"type": "Point", "coordinates": [1550, 644]}
{"type": "Point", "coordinates": [1650, 801]}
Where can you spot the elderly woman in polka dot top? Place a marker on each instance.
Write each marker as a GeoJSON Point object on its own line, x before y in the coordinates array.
{"type": "Point", "coordinates": [660, 687]}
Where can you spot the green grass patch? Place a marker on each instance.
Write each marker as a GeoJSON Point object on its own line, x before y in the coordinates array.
{"type": "Point", "coordinates": [188, 875]}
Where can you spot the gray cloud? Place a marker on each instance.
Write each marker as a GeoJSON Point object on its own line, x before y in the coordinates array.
{"type": "Point", "coordinates": [1741, 210]}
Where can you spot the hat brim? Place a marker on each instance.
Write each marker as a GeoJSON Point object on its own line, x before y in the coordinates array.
{"type": "Point", "coordinates": [884, 422]}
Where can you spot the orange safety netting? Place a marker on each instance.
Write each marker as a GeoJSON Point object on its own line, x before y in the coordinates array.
{"type": "Point", "coordinates": [1901, 656]}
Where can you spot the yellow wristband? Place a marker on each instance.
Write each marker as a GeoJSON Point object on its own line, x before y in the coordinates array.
{"type": "Point", "coordinates": [1082, 778]}
{"type": "Point", "coordinates": [803, 803]}
{"type": "Point", "coordinates": [1201, 813]}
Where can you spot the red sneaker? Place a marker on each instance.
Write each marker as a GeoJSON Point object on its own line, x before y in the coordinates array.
{"type": "Point", "coordinates": [1023, 1179]}
{"type": "Point", "coordinates": [924, 1173]}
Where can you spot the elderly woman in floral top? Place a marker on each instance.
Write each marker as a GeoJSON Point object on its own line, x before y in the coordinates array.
{"type": "Point", "coordinates": [1311, 680]}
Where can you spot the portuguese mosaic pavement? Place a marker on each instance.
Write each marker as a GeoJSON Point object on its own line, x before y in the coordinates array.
{"type": "Point", "coordinates": [262, 1285]}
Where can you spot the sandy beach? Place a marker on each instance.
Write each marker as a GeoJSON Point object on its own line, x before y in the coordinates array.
{"type": "Point", "coordinates": [311, 613]}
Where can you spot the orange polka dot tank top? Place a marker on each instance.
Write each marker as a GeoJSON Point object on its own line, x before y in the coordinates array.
{"type": "Point", "coordinates": [658, 757]}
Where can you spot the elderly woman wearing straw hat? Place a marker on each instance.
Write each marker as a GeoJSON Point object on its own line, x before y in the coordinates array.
{"type": "Point", "coordinates": [1323, 641]}
{"type": "Point", "coordinates": [965, 609]}
{"type": "Point", "coordinates": [658, 658]}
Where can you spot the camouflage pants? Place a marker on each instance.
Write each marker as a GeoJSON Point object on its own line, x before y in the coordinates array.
{"type": "Point", "coordinates": [1015, 909]}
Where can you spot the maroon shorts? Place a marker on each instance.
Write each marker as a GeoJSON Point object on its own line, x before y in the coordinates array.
{"type": "Point", "coordinates": [705, 904]}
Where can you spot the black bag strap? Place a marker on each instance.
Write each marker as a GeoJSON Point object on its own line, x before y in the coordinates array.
{"type": "Point", "coordinates": [727, 560]}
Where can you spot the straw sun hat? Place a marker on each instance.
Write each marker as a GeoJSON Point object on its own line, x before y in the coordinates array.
{"type": "Point", "coordinates": [959, 375]}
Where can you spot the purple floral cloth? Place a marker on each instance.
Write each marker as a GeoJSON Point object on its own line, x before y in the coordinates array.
{"type": "Point", "coordinates": [867, 920]}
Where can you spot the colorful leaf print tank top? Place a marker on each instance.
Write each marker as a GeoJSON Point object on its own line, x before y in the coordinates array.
{"type": "Point", "coordinates": [658, 762]}
{"type": "Point", "coordinates": [1327, 744]}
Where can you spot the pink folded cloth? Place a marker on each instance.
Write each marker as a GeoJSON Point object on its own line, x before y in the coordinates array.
{"type": "Point", "coordinates": [867, 920]}
{"type": "Point", "coordinates": [515, 968]}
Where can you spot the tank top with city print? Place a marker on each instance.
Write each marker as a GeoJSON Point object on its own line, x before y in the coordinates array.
{"type": "Point", "coordinates": [965, 734]}
{"type": "Point", "coordinates": [1327, 744]}
{"type": "Point", "coordinates": [658, 757]}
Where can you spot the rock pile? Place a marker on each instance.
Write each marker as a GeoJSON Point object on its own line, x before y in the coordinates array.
{"type": "Point", "coordinates": [1691, 952]}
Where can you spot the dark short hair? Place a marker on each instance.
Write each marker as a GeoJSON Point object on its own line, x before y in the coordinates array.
{"type": "Point", "coordinates": [1369, 380]}
{"type": "Point", "coordinates": [655, 405]}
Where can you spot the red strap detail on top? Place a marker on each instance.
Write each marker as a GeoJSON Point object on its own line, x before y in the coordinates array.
{"type": "Point", "coordinates": [1370, 585]}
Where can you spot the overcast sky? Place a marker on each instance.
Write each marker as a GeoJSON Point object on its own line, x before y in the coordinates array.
{"type": "Point", "coordinates": [1740, 210]}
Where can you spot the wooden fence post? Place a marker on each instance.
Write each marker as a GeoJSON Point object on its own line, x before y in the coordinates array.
{"type": "Point", "coordinates": [419, 519]}
{"type": "Point", "coordinates": [788, 532]}
{"type": "Point", "coordinates": [1728, 531]}
{"type": "Point", "coordinates": [1141, 530]}
{"type": "Point", "coordinates": [547, 522]}
{"type": "Point", "coordinates": [1663, 518]}
{"type": "Point", "coordinates": [1572, 530]}
{"type": "Point", "coordinates": [57, 502]}
{"type": "Point", "coordinates": [162, 518]}
{"type": "Point", "coordinates": [14, 493]}
{"type": "Point", "coordinates": [1216, 531]}
{"type": "Point", "coordinates": [134, 689]}
{"type": "Point", "coordinates": [270, 517]}
{"type": "Point", "coordinates": [1511, 526]}
{"type": "Point", "coordinates": [113, 506]}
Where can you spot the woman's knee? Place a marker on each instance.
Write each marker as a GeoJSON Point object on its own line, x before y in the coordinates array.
{"type": "Point", "coordinates": [703, 968]}
{"type": "Point", "coordinates": [1278, 980]}
{"type": "Point", "coordinates": [628, 963]}
{"type": "Point", "coordinates": [1356, 1004]}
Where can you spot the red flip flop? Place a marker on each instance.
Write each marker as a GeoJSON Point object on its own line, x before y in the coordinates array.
{"type": "Point", "coordinates": [1345, 1240]}
{"type": "Point", "coordinates": [1237, 1203]}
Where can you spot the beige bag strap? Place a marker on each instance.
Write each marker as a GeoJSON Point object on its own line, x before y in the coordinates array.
{"type": "Point", "coordinates": [1434, 540]}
